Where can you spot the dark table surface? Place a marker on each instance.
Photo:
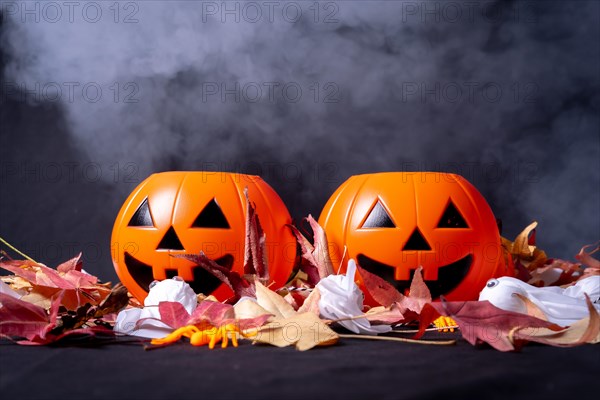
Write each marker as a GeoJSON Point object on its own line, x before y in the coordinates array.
{"type": "Point", "coordinates": [352, 369]}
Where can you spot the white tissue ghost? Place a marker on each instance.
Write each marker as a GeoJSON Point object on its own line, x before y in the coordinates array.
{"type": "Point", "coordinates": [561, 306]}
{"type": "Point", "coordinates": [175, 289]}
{"type": "Point", "coordinates": [341, 298]}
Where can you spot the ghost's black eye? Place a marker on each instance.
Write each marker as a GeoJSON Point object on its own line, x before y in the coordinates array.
{"type": "Point", "coordinates": [142, 216]}
{"type": "Point", "coordinates": [211, 217]}
{"type": "Point", "coordinates": [452, 218]}
{"type": "Point", "coordinates": [378, 218]}
{"type": "Point", "coordinates": [492, 282]}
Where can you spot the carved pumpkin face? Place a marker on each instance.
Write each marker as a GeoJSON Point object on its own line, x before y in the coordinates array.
{"type": "Point", "coordinates": [392, 223]}
{"type": "Point", "coordinates": [175, 213]}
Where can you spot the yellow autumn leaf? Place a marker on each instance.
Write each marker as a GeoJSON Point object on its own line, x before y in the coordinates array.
{"type": "Point", "coordinates": [521, 245]}
{"type": "Point", "coordinates": [586, 330]}
{"type": "Point", "coordinates": [272, 302]}
{"type": "Point", "coordinates": [248, 308]}
{"type": "Point", "coordinates": [304, 331]}
{"type": "Point", "coordinates": [311, 303]}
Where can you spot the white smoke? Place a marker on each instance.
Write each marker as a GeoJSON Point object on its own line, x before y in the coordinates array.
{"type": "Point", "coordinates": [411, 85]}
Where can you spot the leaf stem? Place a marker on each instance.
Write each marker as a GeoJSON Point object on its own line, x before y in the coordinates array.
{"type": "Point", "coordinates": [397, 339]}
{"type": "Point", "coordinates": [426, 330]}
{"type": "Point", "coordinates": [13, 248]}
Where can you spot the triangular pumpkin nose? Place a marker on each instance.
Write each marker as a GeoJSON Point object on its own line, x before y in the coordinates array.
{"type": "Point", "coordinates": [416, 241]}
{"type": "Point", "coordinates": [170, 241]}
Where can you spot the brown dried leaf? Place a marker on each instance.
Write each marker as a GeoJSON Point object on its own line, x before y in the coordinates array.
{"type": "Point", "coordinates": [17, 283]}
{"type": "Point", "coordinates": [212, 313]}
{"type": "Point", "coordinates": [240, 286]}
{"type": "Point", "coordinates": [248, 309]}
{"type": "Point", "coordinates": [311, 304]}
{"type": "Point", "coordinates": [321, 249]}
{"type": "Point", "coordinates": [306, 266]}
{"type": "Point", "coordinates": [255, 259]}
{"type": "Point", "coordinates": [385, 315]}
{"type": "Point", "coordinates": [381, 290]}
{"type": "Point", "coordinates": [586, 256]}
{"type": "Point", "coordinates": [291, 299]}
{"type": "Point", "coordinates": [583, 331]}
{"type": "Point", "coordinates": [272, 302]}
{"type": "Point", "coordinates": [304, 331]}
{"type": "Point", "coordinates": [531, 308]}
{"type": "Point", "coordinates": [315, 259]}
{"type": "Point", "coordinates": [114, 302]}
{"type": "Point", "coordinates": [79, 287]}
{"type": "Point", "coordinates": [523, 251]}
{"type": "Point", "coordinates": [521, 246]}
{"type": "Point", "coordinates": [419, 294]}
{"type": "Point", "coordinates": [482, 322]}
{"type": "Point", "coordinates": [73, 264]}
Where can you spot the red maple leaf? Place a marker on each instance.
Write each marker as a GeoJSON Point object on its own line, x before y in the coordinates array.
{"type": "Point", "coordinates": [78, 287]}
{"type": "Point", "coordinates": [482, 322]}
{"type": "Point", "coordinates": [20, 319]}
{"type": "Point", "coordinates": [315, 260]}
{"type": "Point", "coordinates": [207, 314]}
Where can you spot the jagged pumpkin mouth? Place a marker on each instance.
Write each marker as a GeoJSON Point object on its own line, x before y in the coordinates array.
{"type": "Point", "coordinates": [449, 275]}
{"type": "Point", "coordinates": [204, 282]}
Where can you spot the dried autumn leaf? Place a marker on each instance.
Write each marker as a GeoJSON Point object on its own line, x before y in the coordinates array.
{"type": "Point", "coordinates": [249, 315]}
{"type": "Point", "coordinates": [524, 251]}
{"type": "Point", "coordinates": [79, 287]}
{"type": "Point", "coordinates": [295, 299]}
{"type": "Point", "coordinates": [316, 261]}
{"type": "Point", "coordinates": [521, 246]}
{"type": "Point", "coordinates": [385, 315]}
{"type": "Point", "coordinates": [249, 308]}
{"type": "Point", "coordinates": [76, 319]}
{"type": "Point", "coordinates": [304, 331]}
{"type": "Point", "coordinates": [555, 272]}
{"type": "Point", "coordinates": [173, 313]}
{"type": "Point", "coordinates": [381, 290]}
{"type": "Point", "coordinates": [255, 259]}
{"type": "Point", "coordinates": [253, 323]}
{"type": "Point", "coordinates": [114, 302]}
{"type": "Point", "coordinates": [321, 250]}
{"type": "Point", "coordinates": [418, 296]}
{"type": "Point", "coordinates": [581, 332]}
{"type": "Point", "coordinates": [272, 302]}
{"type": "Point", "coordinates": [311, 304]}
{"type": "Point", "coordinates": [481, 322]}
{"type": "Point", "coordinates": [212, 313]}
{"type": "Point", "coordinates": [240, 286]}
{"type": "Point", "coordinates": [17, 283]}
{"type": "Point", "coordinates": [408, 307]}
{"type": "Point", "coordinates": [20, 319]}
{"type": "Point", "coordinates": [531, 308]}
{"type": "Point", "coordinates": [73, 264]}
{"type": "Point", "coordinates": [586, 256]}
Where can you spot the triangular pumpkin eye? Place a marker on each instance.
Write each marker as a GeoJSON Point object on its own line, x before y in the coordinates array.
{"type": "Point", "coordinates": [142, 216]}
{"type": "Point", "coordinates": [451, 218]}
{"type": "Point", "coordinates": [211, 217]}
{"type": "Point", "coordinates": [378, 218]}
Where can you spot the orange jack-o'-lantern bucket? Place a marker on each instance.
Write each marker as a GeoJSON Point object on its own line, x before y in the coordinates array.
{"type": "Point", "coordinates": [392, 223]}
{"type": "Point", "coordinates": [175, 213]}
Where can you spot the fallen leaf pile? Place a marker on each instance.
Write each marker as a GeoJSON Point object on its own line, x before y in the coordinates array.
{"type": "Point", "coordinates": [533, 266]}
{"type": "Point", "coordinates": [46, 304]}
{"type": "Point", "coordinates": [49, 304]}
